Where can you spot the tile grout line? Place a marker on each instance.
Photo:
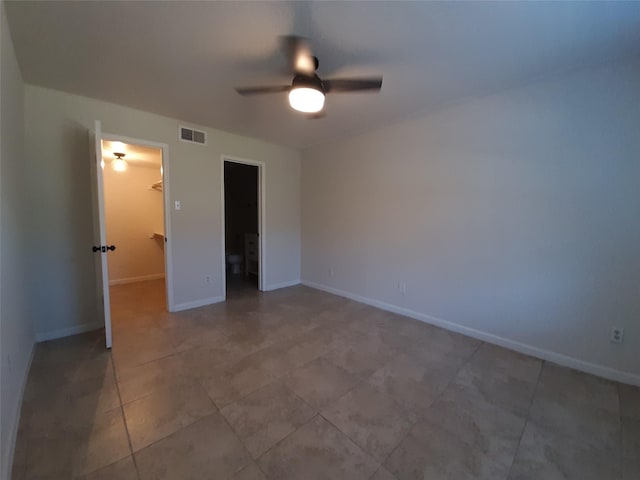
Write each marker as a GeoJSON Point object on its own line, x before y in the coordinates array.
{"type": "Point", "coordinates": [362, 382]}
{"type": "Point", "coordinates": [437, 397]}
{"type": "Point", "coordinates": [124, 419]}
{"type": "Point", "coordinates": [192, 422]}
{"type": "Point", "coordinates": [317, 412]}
{"type": "Point", "coordinates": [251, 460]}
{"type": "Point", "coordinates": [526, 420]}
{"type": "Point", "coordinates": [279, 377]}
{"type": "Point", "coordinates": [375, 461]}
{"type": "Point", "coordinates": [256, 461]}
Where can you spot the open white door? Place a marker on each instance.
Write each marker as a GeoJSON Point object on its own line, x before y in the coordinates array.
{"type": "Point", "coordinates": [100, 247]}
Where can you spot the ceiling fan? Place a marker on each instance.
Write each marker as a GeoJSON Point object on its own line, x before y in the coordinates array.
{"type": "Point", "coordinates": [307, 91]}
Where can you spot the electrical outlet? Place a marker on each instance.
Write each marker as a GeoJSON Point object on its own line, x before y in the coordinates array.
{"type": "Point", "coordinates": [331, 272]}
{"type": "Point", "coordinates": [617, 335]}
{"type": "Point", "coordinates": [402, 288]}
{"type": "Point", "coordinates": [207, 279]}
{"type": "Point", "coordinates": [178, 205]}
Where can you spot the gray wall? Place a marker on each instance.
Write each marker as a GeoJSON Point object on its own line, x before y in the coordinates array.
{"type": "Point", "coordinates": [16, 335]}
{"type": "Point", "coordinates": [57, 152]}
{"type": "Point", "coordinates": [514, 217]}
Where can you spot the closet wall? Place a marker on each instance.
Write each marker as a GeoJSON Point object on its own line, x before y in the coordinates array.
{"type": "Point", "coordinates": [134, 212]}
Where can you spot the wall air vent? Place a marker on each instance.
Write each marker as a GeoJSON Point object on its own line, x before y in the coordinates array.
{"type": "Point", "coordinates": [191, 135]}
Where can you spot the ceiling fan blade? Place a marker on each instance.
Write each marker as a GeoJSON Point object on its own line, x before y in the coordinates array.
{"type": "Point", "coordinates": [298, 54]}
{"type": "Point", "coordinates": [352, 84]}
{"type": "Point", "coordinates": [259, 90]}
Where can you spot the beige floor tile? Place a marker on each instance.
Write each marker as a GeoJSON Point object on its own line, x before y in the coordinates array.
{"type": "Point", "coordinates": [20, 450]}
{"type": "Point", "coordinates": [629, 401]}
{"type": "Point", "coordinates": [202, 361]}
{"type": "Point", "coordinates": [207, 448]}
{"type": "Point", "coordinates": [492, 431]}
{"type": "Point", "coordinates": [317, 451]}
{"type": "Point", "coordinates": [71, 404]}
{"type": "Point", "coordinates": [412, 383]}
{"type": "Point", "coordinates": [373, 420]}
{"type": "Point", "coordinates": [136, 382]}
{"type": "Point", "coordinates": [46, 375]}
{"type": "Point", "coordinates": [383, 474]}
{"type": "Point", "coordinates": [461, 437]}
{"type": "Point", "coordinates": [433, 453]}
{"type": "Point", "coordinates": [362, 354]}
{"type": "Point", "coordinates": [165, 411]}
{"type": "Point", "coordinates": [252, 339]}
{"type": "Point", "coordinates": [630, 436]}
{"type": "Point", "coordinates": [70, 350]}
{"type": "Point", "coordinates": [471, 399]}
{"type": "Point", "coordinates": [307, 346]}
{"type": "Point", "coordinates": [434, 353]}
{"type": "Point", "coordinates": [250, 472]}
{"type": "Point", "coordinates": [255, 371]}
{"type": "Point", "coordinates": [506, 363]}
{"type": "Point", "coordinates": [500, 377]}
{"type": "Point", "coordinates": [265, 417]}
{"type": "Point", "coordinates": [578, 388]}
{"type": "Point", "coordinates": [184, 337]}
{"type": "Point", "coordinates": [429, 338]}
{"type": "Point", "coordinates": [143, 347]}
{"type": "Point", "coordinates": [574, 418]}
{"type": "Point", "coordinates": [78, 449]}
{"type": "Point", "coordinates": [320, 382]}
{"type": "Point", "coordinates": [631, 467]}
{"type": "Point", "coordinates": [546, 454]}
{"type": "Point", "coordinates": [123, 469]}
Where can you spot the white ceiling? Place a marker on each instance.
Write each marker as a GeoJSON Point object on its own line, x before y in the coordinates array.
{"type": "Point", "coordinates": [182, 59]}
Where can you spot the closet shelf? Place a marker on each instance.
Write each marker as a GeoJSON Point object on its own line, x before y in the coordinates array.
{"type": "Point", "coordinates": [157, 186]}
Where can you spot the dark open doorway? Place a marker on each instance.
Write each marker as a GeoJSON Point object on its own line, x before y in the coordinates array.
{"type": "Point", "coordinates": [242, 226]}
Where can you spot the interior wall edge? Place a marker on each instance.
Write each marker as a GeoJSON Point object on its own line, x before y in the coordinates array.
{"type": "Point", "coordinates": [197, 303]}
{"type": "Point", "coordinates": [277, 286]}
{"type": "Point", "coordinates": [520, 347]}
{"type": "Point", "coordinates": [66, 332]}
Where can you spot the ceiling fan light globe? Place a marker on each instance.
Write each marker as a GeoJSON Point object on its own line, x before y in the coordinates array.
{"type": "Point", "coordinates": [119, 164]}
{"type": "Point", "coordinates": [305, 99]}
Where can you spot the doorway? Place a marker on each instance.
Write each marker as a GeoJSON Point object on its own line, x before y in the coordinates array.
{"type": "Point", "coordinates": [134, 208]}
{"type": "Point", "coordinates": [242, 196]}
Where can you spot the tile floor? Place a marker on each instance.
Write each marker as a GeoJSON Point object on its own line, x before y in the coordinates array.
{"type": "Point", "coordinates": [300, 384]}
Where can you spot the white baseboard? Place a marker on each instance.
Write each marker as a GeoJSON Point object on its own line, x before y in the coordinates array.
{"type": "Point", "coordinates": [555, 357]}
{"type": "Point", "coordinates": [65, 332]}
{"type": "Point", "coordinates": [143, 278]}
{"type": "Point", "coordinates": [7, 461]}
{"type": "Point", "coordinates": [197, 303]}
{"type": "Point", "coordinates": [276, 286]}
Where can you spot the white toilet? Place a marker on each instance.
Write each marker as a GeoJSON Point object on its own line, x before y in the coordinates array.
{"type": "Point", "coordinates": [234, 263]}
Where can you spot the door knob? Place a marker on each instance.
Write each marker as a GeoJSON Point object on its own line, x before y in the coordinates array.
{"type": "Point", "coordinates": [102, 248]}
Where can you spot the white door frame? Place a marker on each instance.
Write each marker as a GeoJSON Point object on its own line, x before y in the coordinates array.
{"type": "Point", "coordinates": [168, 251]}
{"type": "Point", "coordinates": [261, 219]}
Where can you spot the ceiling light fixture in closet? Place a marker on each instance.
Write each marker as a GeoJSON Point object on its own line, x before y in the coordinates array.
{"type": "Point", "coordinates": [119, 164]}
